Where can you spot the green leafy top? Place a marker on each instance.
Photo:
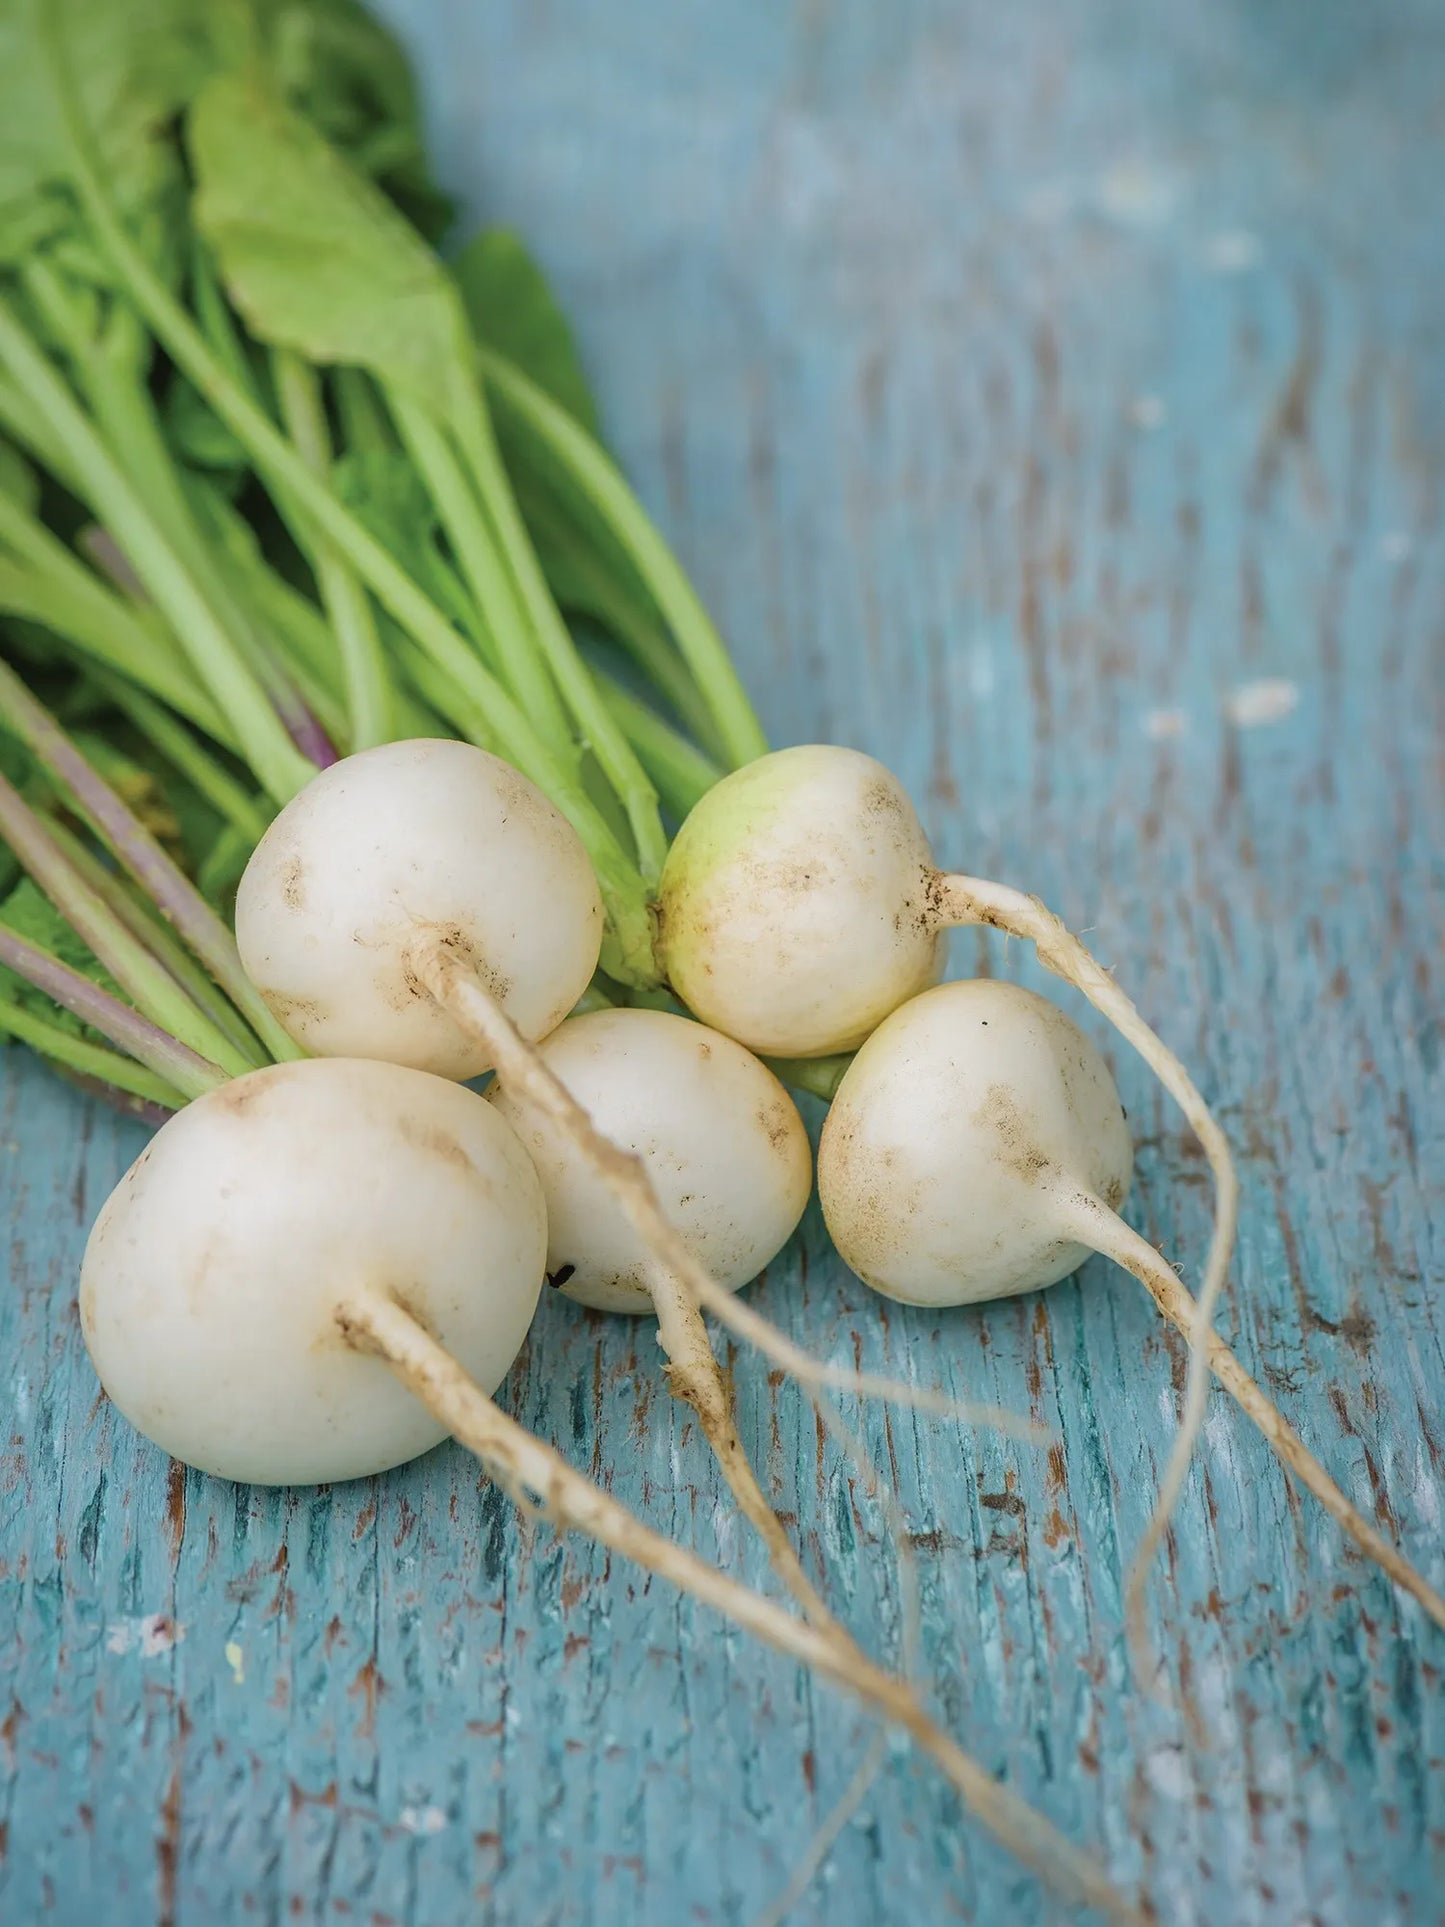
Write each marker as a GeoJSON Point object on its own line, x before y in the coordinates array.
{"type": "Point", "coordinates": [134, 64]}
{"type": "Point", "coordinates": [512, 308]}
{"type": "Point", "coordinates": [314, 255]}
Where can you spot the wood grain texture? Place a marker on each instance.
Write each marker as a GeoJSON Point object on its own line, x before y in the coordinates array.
{"type": "Point", "coordinates": [1051, 399]}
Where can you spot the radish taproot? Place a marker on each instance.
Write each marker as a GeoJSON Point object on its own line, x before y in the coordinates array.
{"type": "Point", "coordinates": [977, 1148]}
{"type": "Point", "coordinates": [729, 1162]}
{"type": "Point", "coordinates": [321, 1268]}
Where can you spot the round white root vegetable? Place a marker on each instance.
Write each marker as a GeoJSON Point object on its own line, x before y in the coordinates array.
{"type": "Point", "coordinates": [297, 1280]}
{"type": "Point", "coordinates": [793, 911]}
{"type": "Point", "coordinates": [977, 1148]}
{"type": "Point", "coordinates": [410, 841]}
{"type": "Point", "coordinates": [951, 1136]}
{"type": "Point", "coordinates": [211, 1279]}
{"type": "Point", "coordinates": [719, 1136]}
{"type": "Point", "coordinates": [728, 1158]}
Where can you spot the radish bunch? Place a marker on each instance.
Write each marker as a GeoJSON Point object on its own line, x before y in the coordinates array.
{"type": "Point", "coordinates": [317, 1269]}
{"type": "Point", "coordinates": [328, 1257]}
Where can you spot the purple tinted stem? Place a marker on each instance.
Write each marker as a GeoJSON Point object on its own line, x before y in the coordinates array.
{"type": "Point", "coordinates": [307, 734]}
{"type": "Point", "coordinates": [168, 888]}
{"type": "Point", "coordinates": [191, 1074]}
{"type": "Point", "coordinates": [295, 714]}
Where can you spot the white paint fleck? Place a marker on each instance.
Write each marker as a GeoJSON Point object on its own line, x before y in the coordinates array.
{"type": "Point", "coordinates": [1254, 705]}
{"type": "Point", "coordinates": [1426, 1496]}
{"type": "Point", "coordinates": [1147, 411]}
{"type": "Point", "coordinates": [1167, 1771]}
{"type": "Point", "coordinates": [1135, 194]}
{"type": "Point", "coordinates": [1161, 725]}
{"type": "Point", "coordinates": [1396, 545]}
{"type": "Point", "coordinates": [158, 1633]}
{"type": "Point", "coordinates": [236, 1660]}
{"type": "Point", "coordinates": [982, 676]}
{"type": "Point", "coordinates": [1233, 250]}
{"type": "Point", "coordinates": [151, 1636]}
{"type": "Point", "coordinates": [423, 1820]}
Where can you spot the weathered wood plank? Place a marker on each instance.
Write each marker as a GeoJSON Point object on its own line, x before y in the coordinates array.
{"type": "Point", "coordinates": [1050, 399]}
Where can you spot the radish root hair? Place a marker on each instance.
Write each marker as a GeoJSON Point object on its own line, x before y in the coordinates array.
{"type": "Point", "coordinates": [822, 1842]}
{"type": "Point", "coordinates": [1096, 1225]}
{"type": "Point", "coordinates": [375, 1323]}
{"type": "Point", "coordinates": [955, 899]}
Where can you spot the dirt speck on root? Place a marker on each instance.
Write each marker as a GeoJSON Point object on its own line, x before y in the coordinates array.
{"type": "Point", "coordinates": [244, 1096]}
{"type": "Point", "coordinates": [458, 943]}
{"type": "Point", "coordinates": [435, 1142]}
{"type": "Point", "coordinates": [1017, 1150]}
{"type": "Point", "coordinates": [412, 1302]}
{"type": "Point", "coordinates": [882, 798]}
{"type": "Point", "coordinates": [293, 883]}
{"type": "Point", "coordinates": [775, 1124]}
{"type": "Point", "coordinates": [292, 1013]}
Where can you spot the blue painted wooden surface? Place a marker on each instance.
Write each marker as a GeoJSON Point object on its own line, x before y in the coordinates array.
{"type": "Point", "coordinates": [1050, 398]}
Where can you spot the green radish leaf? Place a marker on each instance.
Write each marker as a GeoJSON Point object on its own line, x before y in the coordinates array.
{"type": "Point", "coordinates": [313, 254]}
{"type": "Point", "coordinates": [134, 64]}
{"type": "Point", "coordinates": [349, 77]}
{"type": "Point", "coordinates": [385, 494]}
{"type": "Point", "coordinates": [511, 308]}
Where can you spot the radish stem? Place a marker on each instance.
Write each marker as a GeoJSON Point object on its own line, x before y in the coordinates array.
{"type": "Point", "coordinates": [474, 548]}
{"type": "Point", "coordinates": [229, 679]}
{"type": "Point", "coordinates": [591, 715]}
{"type": "Point", "coordinates": [156, 993]}
{"type": "Point", "coordinates": [183, 1069]}
{"type": "Point", "coordinates": [92, 1062]}
{"type": "Point", "coordinates": [582, 467]}
{"type": "Point", "coordinates": [368, 700]}
{"type": "Point", "coordinates": [165, 885]}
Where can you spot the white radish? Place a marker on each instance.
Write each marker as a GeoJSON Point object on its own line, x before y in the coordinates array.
{"type": "Point", "coordinates": [417, 841]}
{"type": "Point", "coordinates": [211, 1279]}
{"type": "Point", "coordinates": [721, 1140]}
{"type": "Point", "coordinates": [322, 1268]}
{"type": "Point", "coordinates": [793, 912]}
{"type": "Point", "coordinates": [976, 1147]}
